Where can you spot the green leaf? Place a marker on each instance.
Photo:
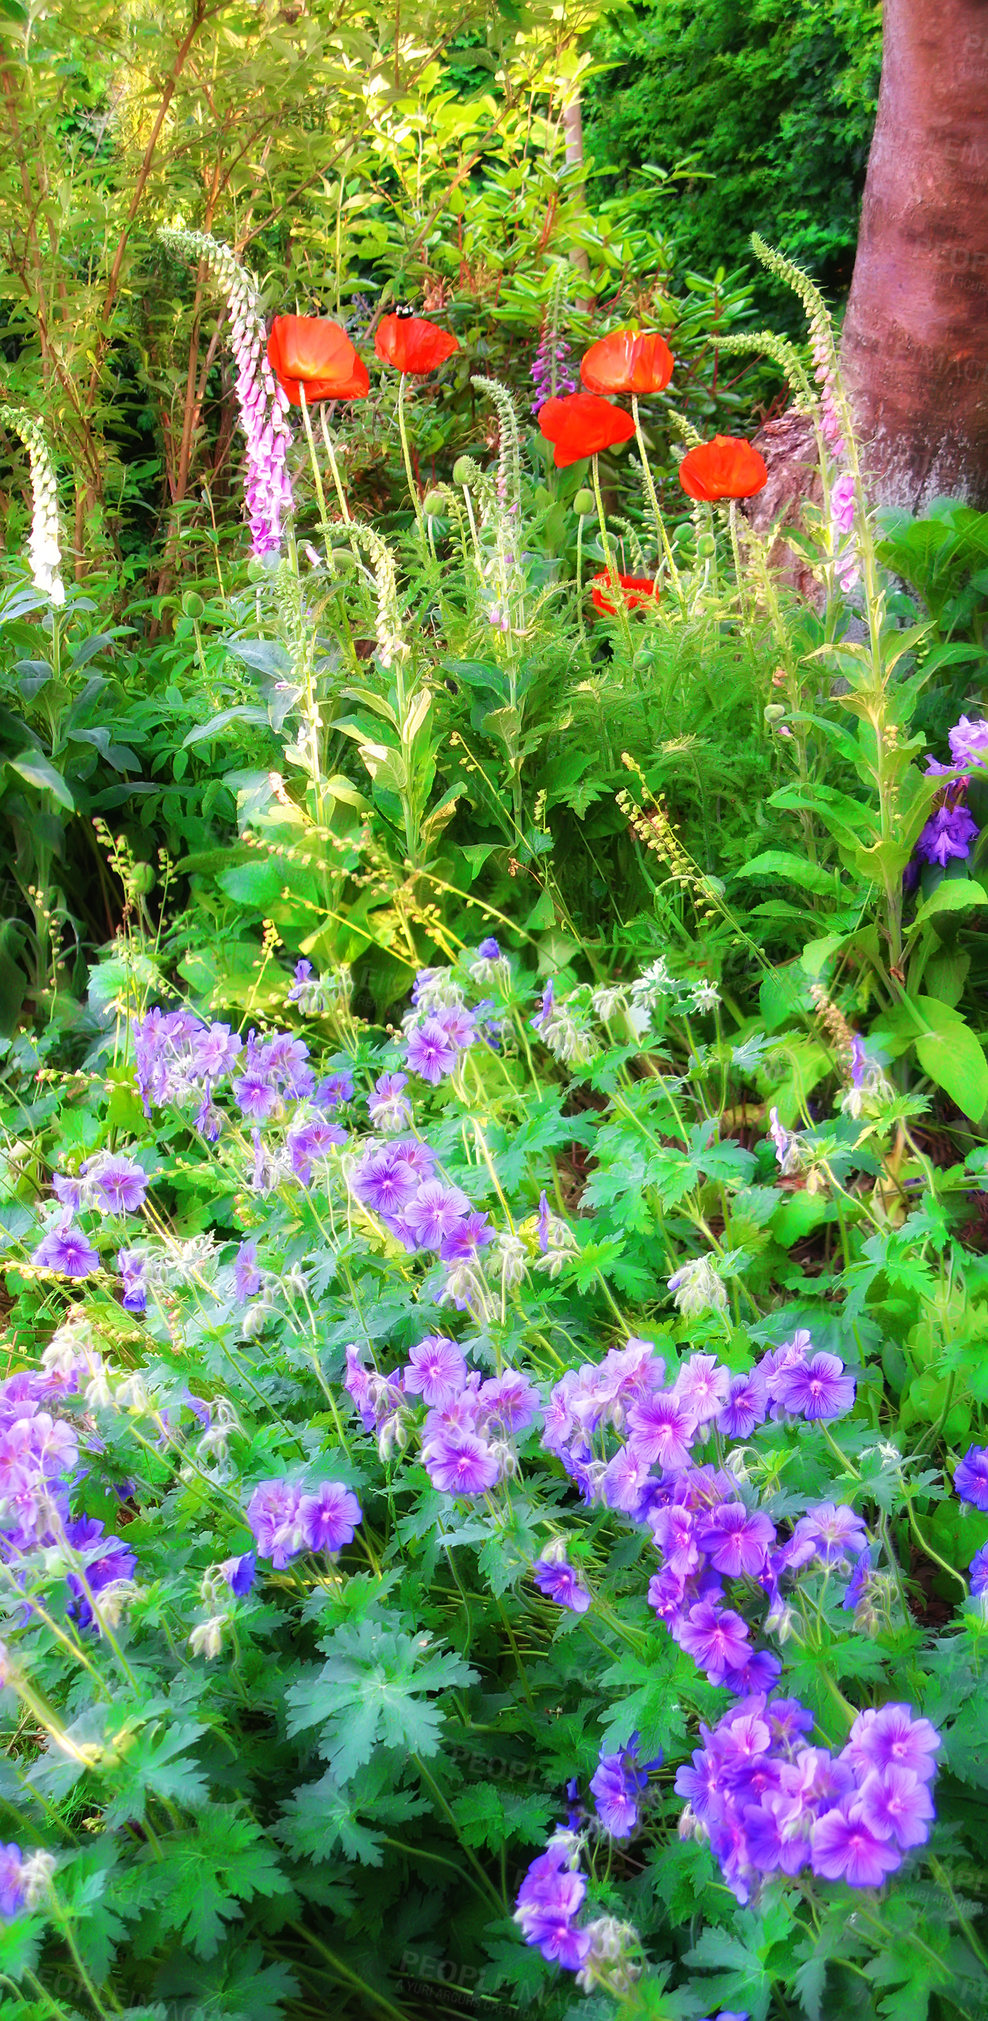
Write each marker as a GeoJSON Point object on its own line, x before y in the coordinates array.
{"type": "Point", "coordinates": [38, 771]}
{"type": "Point", "coordinates": [952, 894]}
{"type": "Point", "coordinates": [953, 1058]}
{"type": "Point", "coordinates": [795, 869]}
{"type": "Point", "coordinates": [371, 1693]}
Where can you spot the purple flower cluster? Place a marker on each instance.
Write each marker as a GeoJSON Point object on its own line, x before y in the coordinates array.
{"type": "Point", "coordinates": [770, 1803]}
{"type": "Point", "coordinates": [951, 829]}
{"type": "Point", "coordinates": [549, 1900]}
{"type": "Point", "coordinates": [108, 1183]}
{"type": "Point", "coordinates": [617, 1784]}
{"type": "Point", "coordinates": [397, 1181]}
{"type": "Point", "coordinates": [703, 1530]}
{"type": "Point", "coordinates": [39, 1462]}
{"type": "Point", "coordinates": [469, 1424]}
{"type": "Point", "coordinates": [550, 377]}
{"type": "Point", "coordinates": [439, 1027]}
{"type": "Point", "coordinates": [287, 1518]}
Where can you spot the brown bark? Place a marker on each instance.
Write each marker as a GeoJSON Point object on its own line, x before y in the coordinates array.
{"type": "Point", "coordinates": [915, 343]}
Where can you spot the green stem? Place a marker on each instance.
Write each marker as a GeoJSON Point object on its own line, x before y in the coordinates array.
{"type": "Point", "coordinates": [612, 574]}
{"type": "Point", "coordinates": [317, 475]}
{"type": "Point", "coordinates": [407, 454]}
{"type": "Point", "coordinates": [653, 499]}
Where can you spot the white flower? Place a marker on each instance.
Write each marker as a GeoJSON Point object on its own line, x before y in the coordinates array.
{"type": "Point", "coordinates": [207, 1638]}
{"type": "Point", "coordinates": [696, 1287]}
{"type": "Point", "coordinates": [36, 1873]}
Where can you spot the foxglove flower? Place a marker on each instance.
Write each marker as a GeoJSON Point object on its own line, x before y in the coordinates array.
{"type": "Point", "coordinates": [44, 547]}
{"type": "Point", "coordinates": [262, 404]}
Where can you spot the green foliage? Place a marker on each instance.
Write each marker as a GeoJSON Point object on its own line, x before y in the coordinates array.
{"type": "Point", "coordinates": [765, 111]}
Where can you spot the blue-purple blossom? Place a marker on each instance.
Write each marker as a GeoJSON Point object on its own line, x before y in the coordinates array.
{"type": "Point", "coordinates": [132, 1265]}
{"type": "Point", "coordinates": [489, 949]}
{"type": "Point", "coordinates": [559, 1581]}
{"type": "Point", "coordinates": [119, 1185]}
{"type": "Point", "coordinates": [273, 1515]}
{"type": "Point", "coordinates": [977, 1572]}
{"type": "Point", "coordinates": [948, 834]}
{"type": "Point", "coordinates": [247, 1277]}
{"type": "Point", "coordinates": [816, 1388]}
{"type": "Point", "coordinates": [11, 1880]}
{"type": "Point", "coordinates": [66, 1249]}
{"type": "Point", "coordinates": [617, 1784]}
{"type": "Point", "coordinates": [432, 1213]}
{"type": "Point", "coordinates": [436, 1370]}
{"type": "Point", "coordinates": [328, 1516]}
{"type": "Point", "coordinates": [969, 742]}
{"type": "Point", "coordinates": [106, 1561]}
{"type": "Point", "coordinates": [737, 1540]}
{"type": "Point", "coordinates": [844, 1848]}
{"type": "Point", "coordinates": [890, 1737]}
{"type": "Point", "coordinates": [971, 1477]}
{"type": "Point", "coordinates": [432, 1052]}
{"type": "Point", "coordinates": [388, 1107]}
{"type": "Point", "coordinates": [550, 1896]}
{"type": "Point", "coordinates": [460, 1463]}
{"type": "Point", "coordinates": [240, 1573]}
{"type": "Point", "coordinates": [896, 1804]}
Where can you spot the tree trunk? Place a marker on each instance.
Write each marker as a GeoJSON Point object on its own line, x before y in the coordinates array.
{"type": "Point", "coordinates": [915, 344]}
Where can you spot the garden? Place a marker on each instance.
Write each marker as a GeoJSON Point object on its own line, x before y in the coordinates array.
{"type": "Point", "coordinates": [493, 1093]}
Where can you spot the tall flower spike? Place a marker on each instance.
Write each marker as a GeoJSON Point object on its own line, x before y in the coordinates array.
{"type": "Point", "coordinates": [43, 544]}
{"type": "Point", "coordinates": [263, 407]}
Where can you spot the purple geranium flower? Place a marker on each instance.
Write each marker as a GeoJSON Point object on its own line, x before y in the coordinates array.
{"type": "Point", "coordinates": [436, 1370]}
{"type": "Point", "coordinates": [896, 1805]}
{"type": "Point", "coordinates": [432, 1052]}
{"type": "Point", "coordinates": [246, 1275]}
{"type": "Point", "coordinates": [240, 1573]}
{"type": "Point", "coordinates": [831, 1532]}
{"type": "Point", "coordinates": [560, 1582]}
{"type": "Point", "coordinates": [119, 1186]}
{"type": "Point", "coordinates": [328, 1517]}
{"type": "Point", "coordinates": [977, 1572]}
{"type": "Point", "coordinates": [715, 1637]}
{"type": "Point", "coordinates": [66, 1249]}
{"type": "Point", "coordinates": [132, 1265]}
{"type": "Point", "coordinates": [489, 949]}
{"type": "Point", "coordinates": [273, 1515]}
{"type": "Point", "coordinates": [459, 1463]}
{"type": "Point", "coordinates": [388, 1107]}
{"type": "Point", "coordinates": [971, 1477]}
{"type": "Point", "coordinates": [844, 1848]}
{"type": "Point", "coordinates": [433, 1212]}
{"type": "Point", "coordinates": [737, 1540]}
{"type": "Point", "coordinates": [816, 1388]}
{"type": "Point", "coordinates": [892, 1738]}
{"type": "Point", "coordinates": [617, 1784]}
{"type": "Point", "coordinates": [746, 1406]}
{"type": "Point", "coordinates": [660, 1431]}
{"type": "Point", "coordinates": [12, 1880]}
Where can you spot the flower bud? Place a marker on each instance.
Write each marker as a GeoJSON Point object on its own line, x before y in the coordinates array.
{"type": "Point", "coordinates": [192, 604]}
{"type": "Point", "coordinates": [433, 505]}
{"type": "Point", "coordinates": [706, 547]}
{"type": "Point", "coordinates": [462, 470]}
{"type": "Point", "coordinates": [583, 503]}
{"type": "Point", "coordinates": [774, 712]}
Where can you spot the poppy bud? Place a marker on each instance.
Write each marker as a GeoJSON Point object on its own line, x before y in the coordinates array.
{"type": "Point", "coordinates": [706, 547]}
{"type": "Point", "coordinates": [774, 712]}
{"type": "Point", "coordinates": [192, 604]}
{"type": "Point", "coordinates": [462, 470]}
{"type": "Point", "coordinates": [684, 534]}
{"type": "Point", "coordinates": [142, 878]}
{"type": "Point", "coordinates": [433, 504]}
{"type": "Point", "coordinates": [342, 560]}
{"type": "Point", "coordinates": [583, 503]}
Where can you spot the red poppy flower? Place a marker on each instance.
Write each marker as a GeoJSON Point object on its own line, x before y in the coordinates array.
{"type": "Point", "coordinates": [411, 344]}
{"type": "Point", "coordinates": [727, 467]}
{"type": "Point", "coordinates": [628, 361]}
{"type": "Point", "coordinates": [636, 591]}
{"type": "Point", "coordinates": [315, 352]}
{"type": "Point", "coordinates": [581, 425]}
